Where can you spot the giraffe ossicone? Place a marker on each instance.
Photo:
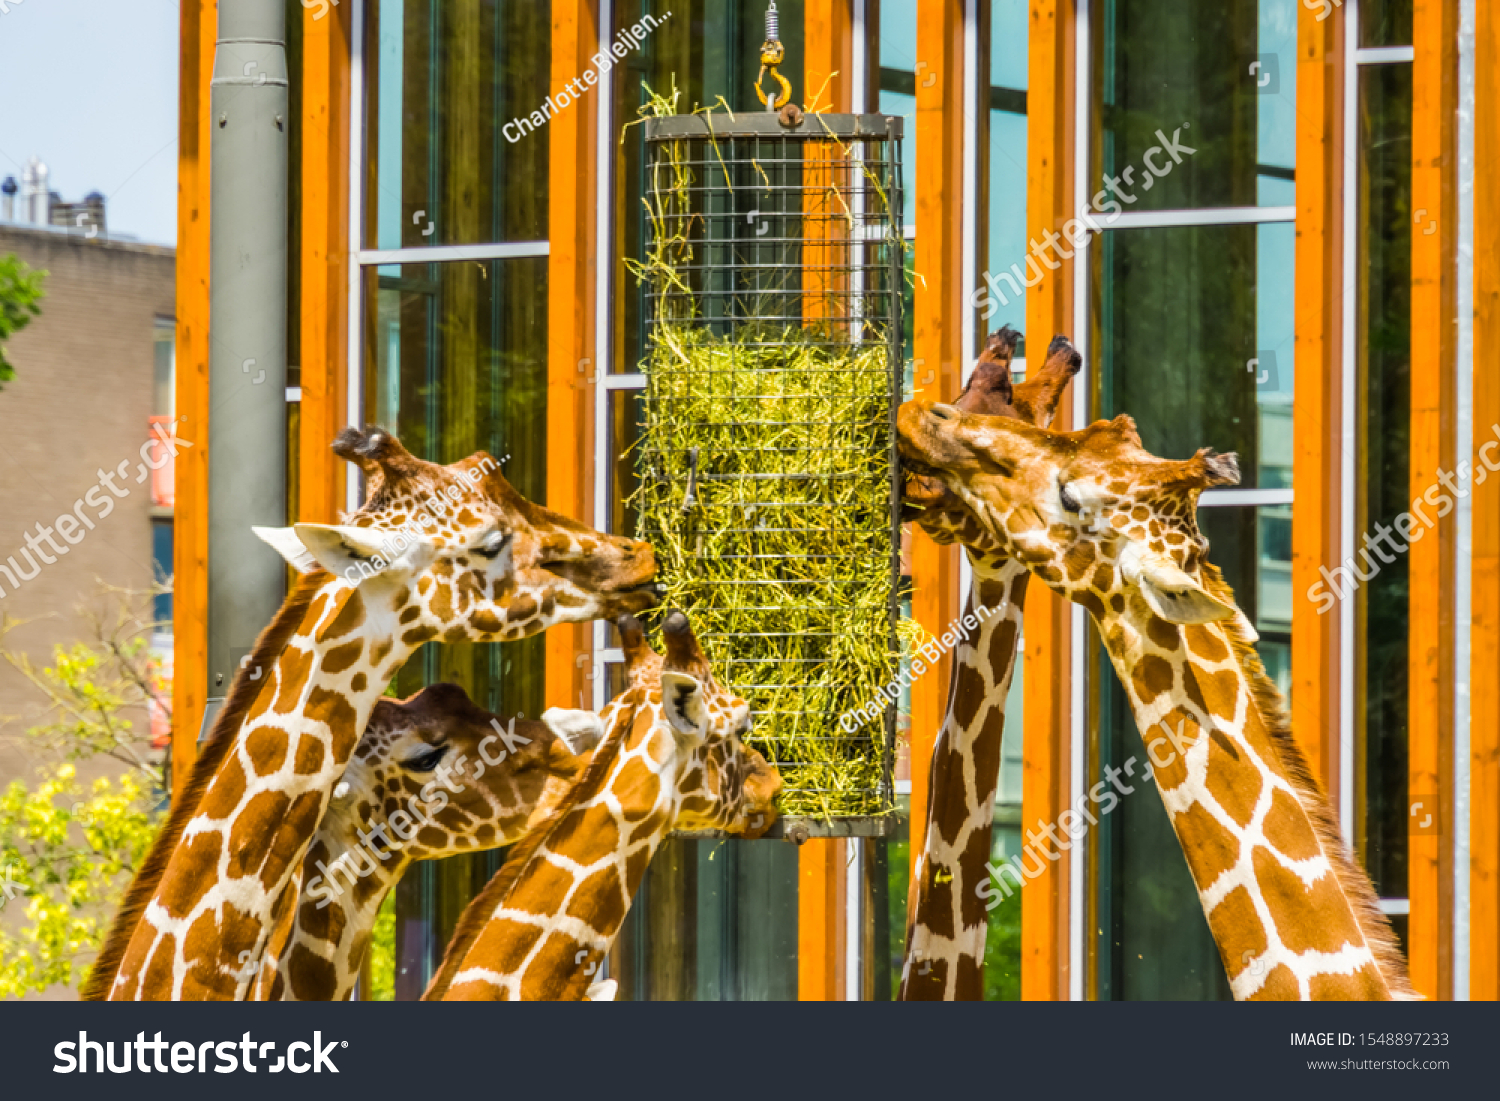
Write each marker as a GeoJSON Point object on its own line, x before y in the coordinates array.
{"type": "Point", "coordinates": [434, 775]}
{"type": "Point", "coordinates": [480, 564]}
{"type": "Point", "coordinates": [1108, 525]}
{"type": "Point", "coordinates": [673, 759]}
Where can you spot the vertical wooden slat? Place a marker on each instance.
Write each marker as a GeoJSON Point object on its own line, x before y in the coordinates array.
{"type": "Point", "coordinates": [1318, 321]}
{"type": "Point", "coordinates": [1484, 682]}
{"type": "Point", "coordinates": [1433, 396]}
{"type": "Point", "coordinates": [324, 201]}
{"type": "Point", "coordinates": [190, 524]}
{"type": "Point", "coordinates": [937, 346]}
{"type": "Point", "coordinates": [820, 923]}
{"type": "Point", "coordinates": [1047, 721]}
{"type": "Point", "coordinates": [572, 188]}
{"type": "Point", "coordinates": [828, 35]}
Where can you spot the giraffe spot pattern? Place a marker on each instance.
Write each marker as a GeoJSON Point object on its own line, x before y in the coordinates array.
{"type": "Point", "coordinates": [1308, 919]}
{"type": "Point", "coordinates": [1237, 930]}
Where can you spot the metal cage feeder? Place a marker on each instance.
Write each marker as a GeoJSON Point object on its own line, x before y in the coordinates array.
{"type": "Point", "coordinates": [769, 480]}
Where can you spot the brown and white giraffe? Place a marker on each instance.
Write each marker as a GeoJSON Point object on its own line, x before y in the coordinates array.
{"type": "Point", "coordinates": [434, 775]}
{"type": "Point", "coordinates": [672, 759]}
{"type": "Point", "coordinates": [1114, 528]}
{"type": "Point", "coordinates": [947, 927]}
{"type": "Point", "coordinates": [450, 553]}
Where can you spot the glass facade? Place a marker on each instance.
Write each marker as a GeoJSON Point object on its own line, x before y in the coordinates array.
{"type": "Point", "coordinates": [453, 88]}
{"type": "Point", "coordinates": [1383, 473]}
{"type": "Point", "coordinates": [1192, 325]}
{"type": "Point", "coordinates": [1196, 103]}
{"type": "Point", "coordinates": [1191, 111]}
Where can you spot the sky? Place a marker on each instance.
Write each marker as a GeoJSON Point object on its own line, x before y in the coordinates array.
{"type": "Point", "coordinates": [90, 87]}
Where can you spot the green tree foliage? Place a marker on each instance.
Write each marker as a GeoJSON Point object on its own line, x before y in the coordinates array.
{"type": "Point", "coordinates": [20, 291]}
{"type": "Point", "coordinates": [68, 850]}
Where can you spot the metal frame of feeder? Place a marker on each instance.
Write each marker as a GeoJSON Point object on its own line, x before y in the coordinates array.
{"type": "Point", "coordinates": [716, 226]}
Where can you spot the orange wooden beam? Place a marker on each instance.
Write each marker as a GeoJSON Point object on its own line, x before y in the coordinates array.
{"type": "Point", "coordinates": [190, 514]}
{"type": "Point", "coordinates": [323, 197]}
{"type": "Point", "coordinates": [820, 924]}
{"type": "Point", "coordinates": [829, 59]}
{"type": "Point", "coordinates": [573, 175]}
{"type": "Point", "coordinates": [1047, 720]}
{"type": "Point", "coordinates": [1484, 680]}
{"type": "Point", "coordinates": [938, 308]}
{"type": "Point", "coordinates": [1318, 323]}
{"type": "Point", "coordinates": [1434, 186]}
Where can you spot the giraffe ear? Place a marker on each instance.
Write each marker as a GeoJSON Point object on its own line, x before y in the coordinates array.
{"type": "Point", "coordinates": [682, 698]}
{"type": "Point", "coordinates": [602, 991]}
{"type": "Point", "coordinates": [289, 547]}
{"type": "Point", "coordinates": [1176, 597]}
{"type": "Point", "coordinates": [580, 731]}
{"type": "Point", "coordinates": [359, 553]}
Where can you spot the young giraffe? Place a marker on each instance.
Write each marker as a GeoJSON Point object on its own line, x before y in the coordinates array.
{"type": "Point", "coordinates": [945, 935]}
{"type": "Point", "coordinates": [673, 758]}
{"type": "Point", "coordinates": [444, 776]}
{"type": "Point", "coordinates": [437, 552]}
{"type": "Point", "coordinates": [1113, 528]}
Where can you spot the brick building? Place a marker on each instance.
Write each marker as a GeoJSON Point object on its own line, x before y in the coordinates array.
{"type": "Point", "coordinates": [92, 372]}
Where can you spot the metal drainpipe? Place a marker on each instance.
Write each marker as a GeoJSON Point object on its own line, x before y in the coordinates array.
{"type": "Point", "coordinates": [247, 333]}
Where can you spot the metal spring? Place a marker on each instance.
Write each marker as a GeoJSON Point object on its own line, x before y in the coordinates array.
{"type": "Point", "coordinates": [773, 30]}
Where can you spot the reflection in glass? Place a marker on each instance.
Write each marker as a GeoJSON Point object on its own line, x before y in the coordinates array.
{"type": "Point", "coordinates": [456, 362]}
{"type": "Point", "coordinates": [1196, 341]}
{"type": "Point", "coordinates": [712, 921]}
{"type": "Point", "coordinates": [446, 78]}
{"type": "Point", "coordinates": [707, 49]}
{"type": "Point", "coordinates": [1217, 79]}
{"type": "Point", "coordinates": [1385, 22]}
{"type": "Point", "coordinates": [1384, 350]}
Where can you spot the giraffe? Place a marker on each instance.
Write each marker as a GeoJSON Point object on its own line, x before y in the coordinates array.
{"type": "Point", "coordinates": [946, 929]}
{"type": "Point", "coordinates": [673, 758]}
{"type": "Point", "coordinates": [449, 553]}
{"type": "Point", "coordinates": [445, 777]}
{"type": "Point", "coordinates": [1112, 527]}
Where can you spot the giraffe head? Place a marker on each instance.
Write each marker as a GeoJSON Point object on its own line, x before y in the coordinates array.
{"type": "Point", "coordinates": [990, 392]}
{"type": "Point", "coordinates": [1094, 515]}
{"type": "Point", "coordinates": [682, 712]}
{"type": "Point", "coordinates": [434, 775]}
{"type": "Point", "coordinates": [458, 555]}
{"type": "Point", "coordinates": [453, 777]}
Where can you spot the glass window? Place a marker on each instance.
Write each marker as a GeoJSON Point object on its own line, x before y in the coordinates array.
{"type": "Point", "coordinates": [1197, 103]}
{"type": "Point", "coordinates": [1385, 22]}
{"type": "Point", "coordinates": [1005, 167]}
{"type": "Point", "coordinates": [164, 400]}
{"type": "Point", "coordinates": [161, 569]}
{"type": "Point", "coordinates": [899, 71]}
{"type": "Point", "coordinates": [456, 362]}
{"type": "Point", "coordinates": [457, 121]}
{"type": "Point", "coordinates": [713, 921]}
{"type": "Point", "coordinates": [713, 52]}
{"type": "Point", "coordinates": [1196, 341]}
{"type": "Point", "coordinates": [1384, 349]}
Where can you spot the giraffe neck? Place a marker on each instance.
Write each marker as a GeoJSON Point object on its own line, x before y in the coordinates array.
{"type": "Point", "coordinates": [204, 931]}
{"type": "Point", "coordinates": [1292, 915]}
{"type": "Point", "coordinates": [548, 930]}
{"type": "Point", "coordinates": [945, 940]}
{"type": "Point", "coordinates": [322, 936]}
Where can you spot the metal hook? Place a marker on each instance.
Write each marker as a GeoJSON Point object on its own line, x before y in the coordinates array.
{"type": "Point", "coordinates": [772, 54]}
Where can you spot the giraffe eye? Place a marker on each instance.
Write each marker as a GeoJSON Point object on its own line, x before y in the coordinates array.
{"type": "Point", "coordinates": [493, 544]}
{"type": "Point", "coordinates": [427, 760]}
{"type": "Point", "coordinates": [1069, 502]}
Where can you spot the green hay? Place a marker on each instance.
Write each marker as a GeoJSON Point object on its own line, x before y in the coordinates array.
{"type": "Point", "coordinates": [778, 541]}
